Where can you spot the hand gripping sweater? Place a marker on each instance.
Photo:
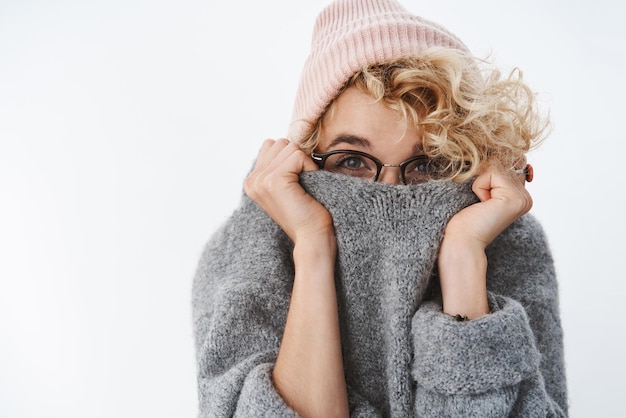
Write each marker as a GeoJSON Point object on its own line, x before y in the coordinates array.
{"type": "Point", "coordinates": [402, 356]}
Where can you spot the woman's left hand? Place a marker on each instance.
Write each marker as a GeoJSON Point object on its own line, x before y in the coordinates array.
{"type": "Point", "coordinates": [462, 263]}
{"type": "Point", "coordinates": [503, 199]}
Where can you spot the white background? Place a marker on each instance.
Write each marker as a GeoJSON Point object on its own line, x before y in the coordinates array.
{"type": "Point", "coordinates": [127, 127]}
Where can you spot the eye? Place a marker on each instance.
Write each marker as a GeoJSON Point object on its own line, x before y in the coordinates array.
{"type": "Point", "coordinates": [422, 167]}
{"type": "Point", "coordinates": [352, 162]}
{"type": "Point", "coordinates": [419, 170]}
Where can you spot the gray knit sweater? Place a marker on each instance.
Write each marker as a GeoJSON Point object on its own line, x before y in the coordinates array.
{"type": "Point", "coordinates": [402, 356]}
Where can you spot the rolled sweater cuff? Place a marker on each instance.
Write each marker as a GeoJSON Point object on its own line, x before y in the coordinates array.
{"type": "Point", "coordinates": [472, 357]}
{"type": "Point", "coordinates": [259, 397]}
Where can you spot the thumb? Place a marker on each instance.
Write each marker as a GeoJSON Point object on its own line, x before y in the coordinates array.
{"type": "Point", "coordinates": [308, 164]}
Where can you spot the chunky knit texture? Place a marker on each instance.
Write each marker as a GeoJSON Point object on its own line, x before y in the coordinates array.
{"type": "Point", "coordinates": [351, 34]}
{"type": "Point", "coordinates": [402, 356]}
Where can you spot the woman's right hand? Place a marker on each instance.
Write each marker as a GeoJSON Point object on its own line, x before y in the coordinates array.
{"type": "Point", "coordinates": [308, 373]}
{"type": "Point", "coordinates": [274, 185]}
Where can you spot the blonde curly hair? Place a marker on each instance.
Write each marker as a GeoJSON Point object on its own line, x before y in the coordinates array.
{"type": "Point", "coordinates": [467, 115]}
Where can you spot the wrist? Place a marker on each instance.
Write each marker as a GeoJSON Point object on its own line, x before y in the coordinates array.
{"type": "Point", "coordinates": [315, 250]}
{"type": "Point", "coordinates": [462, 266]}
{"type": "Point", "coordinates": [317, 229]}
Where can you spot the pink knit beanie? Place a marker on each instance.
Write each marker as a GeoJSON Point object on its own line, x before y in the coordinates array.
{"type": "Point", "coordinates": [352, 34]}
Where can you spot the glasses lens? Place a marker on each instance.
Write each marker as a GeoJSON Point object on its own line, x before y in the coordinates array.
{"type": "Point", "coordinates": [420, 170]}
{"type": "Point", "coordinates": [351, 164]}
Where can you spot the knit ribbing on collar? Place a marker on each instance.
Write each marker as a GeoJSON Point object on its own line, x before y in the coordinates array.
{"type": "Point", "coordinates": [388, 239]}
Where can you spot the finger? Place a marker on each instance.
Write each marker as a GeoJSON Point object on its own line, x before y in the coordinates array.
{"type": "Point", "coordinates": [510, 189]}
{"type": "Point", "coordinates": [308, 164]}
{"type": "Point", "coordinates": [267, 154]}
{"type": "Point", "coordinates": [278, 154]}
{"type": "Point", "coordinates": [269, 150]}
{"type": "Point", "coordinates": [293, 160]}
{"type": "Point", "coordinates": [493, 181]}
{"type": "Point", "coordinates": [484, 182]}
{"type": "Point", "coordinates": [482, 186]}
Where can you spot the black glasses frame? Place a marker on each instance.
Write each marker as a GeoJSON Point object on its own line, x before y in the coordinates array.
{"type": "Point", "coordinates": [320, 160]}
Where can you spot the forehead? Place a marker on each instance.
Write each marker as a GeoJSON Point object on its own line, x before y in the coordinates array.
{"type": "Point", "coordinates": [356, 113]}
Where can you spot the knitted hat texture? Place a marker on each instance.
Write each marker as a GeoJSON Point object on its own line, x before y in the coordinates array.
{"type": "Point", "coordinates": [352, 34]}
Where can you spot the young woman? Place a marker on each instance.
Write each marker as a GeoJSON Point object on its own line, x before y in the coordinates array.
{"type": "Point", "coordinates": [382, 262]}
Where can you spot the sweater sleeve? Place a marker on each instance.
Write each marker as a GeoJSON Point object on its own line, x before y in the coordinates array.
{"type": "Point", "coordinates": [507, 363]}
{"type": "Point", "coordinates": [240, 297]}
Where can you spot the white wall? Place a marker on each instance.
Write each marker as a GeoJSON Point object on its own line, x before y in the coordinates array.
{"type": "Point", "coordinates": [127, 127]}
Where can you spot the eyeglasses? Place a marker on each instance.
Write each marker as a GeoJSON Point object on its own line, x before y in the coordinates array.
{"type": "Point", "coordinates": [415, 170]}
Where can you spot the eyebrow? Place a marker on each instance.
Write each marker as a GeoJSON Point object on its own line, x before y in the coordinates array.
{"type": "Point", "coordinates": [350, 139]}
{"type": "Point", "coordinates": [364, 143]}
